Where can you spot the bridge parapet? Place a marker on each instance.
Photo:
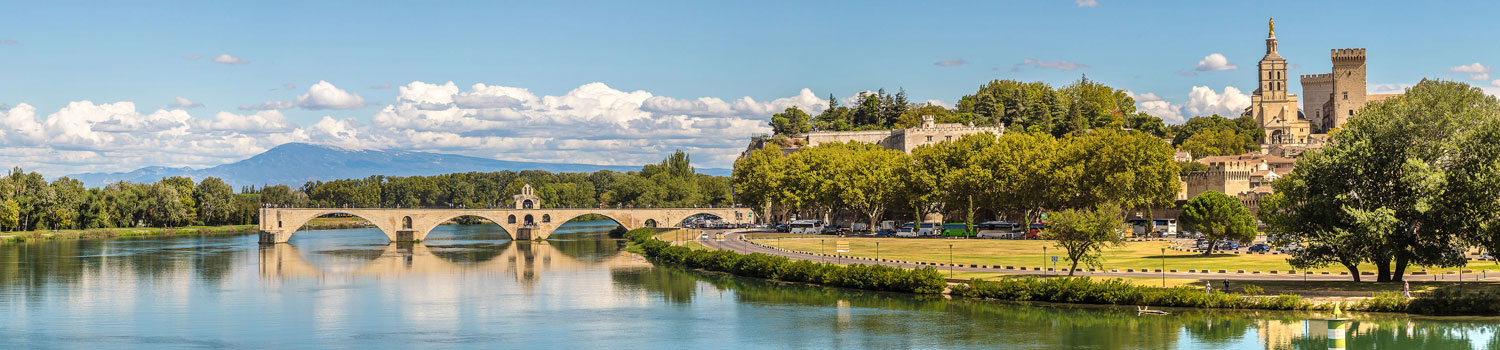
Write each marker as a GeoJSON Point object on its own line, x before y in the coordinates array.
{"type": "Point", "coordinates": [401, 224]}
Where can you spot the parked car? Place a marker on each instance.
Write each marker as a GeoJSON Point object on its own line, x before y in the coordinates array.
{"type": "Point", "coordinates": [783, 228]}
{"type": "Point", "coordinates": [1229, 246]}
{"type": "Point", "coordinates": [1260, 248]}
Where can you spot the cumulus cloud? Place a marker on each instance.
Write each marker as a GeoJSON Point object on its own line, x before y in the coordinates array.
{"type": "Point", "coordinates": [1214, 62]}
{"type": "Point", "coordinates": [228, 59]}
{"type": "Point", "coordinates": [940, 103]}
{"type": "Point", "coordinates": [1476, 71]}
{"type": "Point", "coordinates": [1059, 64]}
{"type": "Point", "coordinates": [1202, 101]}
{"type": "Point", "coordinates": [593, 123]}
{"type": "Point", "coordinates": [323, 95]}
{"type": "Point", "coordinates": [950, 63]}
{"type": "Point", "coordinates": [1496, 82]}
{"type": "Point", "coordinates": [183, 102]}
{"type": "Point", "coordinates": [1087, 3]}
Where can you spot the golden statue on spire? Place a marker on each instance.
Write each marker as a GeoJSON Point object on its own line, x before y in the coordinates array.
{"type": "Point", "coordinates": [1273, 26]}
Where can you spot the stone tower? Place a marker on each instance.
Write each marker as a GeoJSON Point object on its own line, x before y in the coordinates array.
{"type": "Point", "coordinates": [1270, 104]}
{"type": "Point", "coordinates": [1316, 90]}
{"type": "Point", "coordinates": [1348, 84]}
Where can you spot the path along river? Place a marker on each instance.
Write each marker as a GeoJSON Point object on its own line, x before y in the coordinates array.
{"type": "Point", "coordinates": [471, 287]}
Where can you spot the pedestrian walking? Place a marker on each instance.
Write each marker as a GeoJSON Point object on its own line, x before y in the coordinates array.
{"type": "Point", "coordinates": [1406, 289]}
{"type": "Point", "coordinates": [1208, 287]}
{"type": "Point", "coordinates": [1226, 285]}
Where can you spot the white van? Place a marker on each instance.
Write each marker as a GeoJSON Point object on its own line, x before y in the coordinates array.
{"type": "Point", "coordinates": [807, 227]}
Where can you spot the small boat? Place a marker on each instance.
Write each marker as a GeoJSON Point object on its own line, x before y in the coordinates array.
{"type": "Point", "coordinates": [1142, 310]}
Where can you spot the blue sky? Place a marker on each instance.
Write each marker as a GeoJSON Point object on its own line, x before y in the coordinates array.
{"type": "Point", "coordinates": [626, 82]}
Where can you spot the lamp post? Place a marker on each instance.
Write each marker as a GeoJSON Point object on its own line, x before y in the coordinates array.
{"type": "Point", "coordinates": [877, 251]}
{"type": "Point", "coordinates": [1044, 260]}
{"type": "Point", "coordinates": [1164, 267]}
{"type": "Point", "coordinates": [950, 260]}
{"type": "Point", "coordinates": [821, 251]}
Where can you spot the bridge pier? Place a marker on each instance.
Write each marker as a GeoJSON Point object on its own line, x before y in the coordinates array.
{"type": "Point", "coordinates": [275, 236]}
{"type": "Point", "coordinates": [406, 236]}
{"type": "Point", "coordinates": [525, 234]}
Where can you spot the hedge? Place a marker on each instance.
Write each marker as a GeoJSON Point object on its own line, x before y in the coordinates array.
{"type": "Point", "coordinates": [870, 277]}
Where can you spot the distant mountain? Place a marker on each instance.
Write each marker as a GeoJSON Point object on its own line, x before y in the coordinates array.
{"type": "Point", "coordinates": [296, 163]}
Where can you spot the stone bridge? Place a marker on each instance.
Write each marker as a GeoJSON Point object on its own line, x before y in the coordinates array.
{"type": "Point", "coordinates": [409, 225]}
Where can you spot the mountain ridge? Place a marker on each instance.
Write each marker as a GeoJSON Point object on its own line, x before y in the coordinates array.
{"type": "Point", "coordinates": [296, 163]}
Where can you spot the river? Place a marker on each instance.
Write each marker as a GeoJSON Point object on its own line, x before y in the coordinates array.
{"type": "Point", "coordinates": [471, 287]}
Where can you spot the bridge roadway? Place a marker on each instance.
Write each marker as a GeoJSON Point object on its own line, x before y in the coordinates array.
{"type": "Point", "coordinates": [412, 225]}
{"type": "Point", "coordinates": [735, 241]}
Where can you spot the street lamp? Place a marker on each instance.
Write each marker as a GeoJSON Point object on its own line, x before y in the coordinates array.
{"type": "Point", "coordinates": [950, 260]}
{"type": "Point", "coordinates": [821, 251]}
{"type": "Point", "coordinates": [877, 251]}
{"type": "Point", "coordinates": [1164, 267]}
{"type": "Point", "coordinates": [1044, 260]}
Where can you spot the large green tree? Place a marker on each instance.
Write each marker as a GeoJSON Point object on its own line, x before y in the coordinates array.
{"type": "Point", "coordinates": [1219, 218]}
{"type": "Point", "coordinates": [792, 121]}
{"type": "Point", "coordinates": [1398, 180]}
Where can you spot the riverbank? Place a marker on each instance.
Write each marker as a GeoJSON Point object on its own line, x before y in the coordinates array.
{"type": "Point", "coordinates": [996, 282]}
{"type": "Point", "coordinates": [151, 232]}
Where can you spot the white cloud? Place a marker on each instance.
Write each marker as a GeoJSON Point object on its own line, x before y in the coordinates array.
{"type": "Point", "coordinates": [228, 59]}
{"type": "Point", "coordinates": [183, 102]}
{"type": "Point", "coordinates": [1202, 100]}
{"type": "Point", "coordinates": [1476, 71]}
{"type": "Point", "coordinates": [289, 86]}
{"type": "Point", "coordinates": [1154, 105]}
{"type": "Point", "coordinates": [1059, 64]}
{"type": "Point", "coordinates": [193, 57]}
{"type": "Point", "coordinates": [1214, 62]}
{"type": "Point", "coordinates": [323, 95]}
{"type": "Point", "coordinates": [382, 86]}
{"type": "Point", "coordinates": [262, 122]}
{"type": "Point", "coordinates": [1087, 3]}
{"type": "Point", "coordinates": [1496, 82]}
{"type": "Point", "coordinates": [951, 63]}
{"type": "Point", "coordinates": [594, 123]}
{"type": "Point", "coordinates": [940, 103]}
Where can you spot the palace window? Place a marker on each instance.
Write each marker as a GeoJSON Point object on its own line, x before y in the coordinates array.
{"type": "Point", "coordinates": [1346, 95]}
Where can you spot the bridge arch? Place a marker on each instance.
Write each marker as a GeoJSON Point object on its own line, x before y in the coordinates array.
{"type": "Point", "coordinates": [426, 229]}
{"type": "Point", "coordinates": [290, 222]}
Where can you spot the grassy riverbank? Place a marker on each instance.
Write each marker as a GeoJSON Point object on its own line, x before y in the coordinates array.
{"type": "Point", "coordinates": [146, 232]}
{"type": "Point", "coordinates": [1133, 255]}
{"type": "Point", "coordinates": [870, 277]}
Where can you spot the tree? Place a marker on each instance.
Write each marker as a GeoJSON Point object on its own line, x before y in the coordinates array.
{"type": "Point", "coordinates": [1084, 233]}
{"type": "Point", "coordinates": [1402, 181]}
{"type": "Point", "coordinates": [757, 179]}
{"type": "Point", "coordinates": [1249, 131]}
{"type": "Point", "coordinates": [1218, 217]}
{"type": "Point", "coordinates": [792, 121]}
{"type": "Point", "coordinates": [863, 178]}
{"type": "Point", "coordinates": [1130, 168]}
{"type": "Point", "coordinates": [10, 214]}
{"type": "Point", "coordinates": [213, 196]}
{"type": "Point", "coordinates": [1216, 142]}
{"type": "Point", "coordinates": [1024, 172]}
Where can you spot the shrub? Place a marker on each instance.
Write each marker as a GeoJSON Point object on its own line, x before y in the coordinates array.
{"type": "Point", "coordinates": [872, 277]}
{"type": "Point", "coordinates": [1384, 302]}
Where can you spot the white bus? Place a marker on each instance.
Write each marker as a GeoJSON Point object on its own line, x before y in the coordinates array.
{"type": "Point", "coordinates": [1000, 229]}
{"type": "Point", "coordinates": [807, 227]}
{"type": "Point", "coordinates": [911, 230]}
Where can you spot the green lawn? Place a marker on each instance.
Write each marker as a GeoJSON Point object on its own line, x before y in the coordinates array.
{"type": "Point", "coordinates": [1134, 255]}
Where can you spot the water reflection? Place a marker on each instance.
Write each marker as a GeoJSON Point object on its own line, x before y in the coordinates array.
{"type": "Point", "coordinates": [469, 286]}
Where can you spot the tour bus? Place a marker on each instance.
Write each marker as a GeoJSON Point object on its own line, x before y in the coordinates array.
{"type": "Point", "coordinates": [807, 227]}
{"type": "Point", "coordinates": [999, 229]}
{"type": "Point", "coordinates": [910, 230]}
{"type": "Point", "coordinates": [956, 230]}
{"type": "Point", "coordinates": [1164, 228]}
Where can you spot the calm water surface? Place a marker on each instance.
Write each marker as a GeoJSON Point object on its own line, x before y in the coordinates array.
{"type": "Point", "coordinates": [471, 287]}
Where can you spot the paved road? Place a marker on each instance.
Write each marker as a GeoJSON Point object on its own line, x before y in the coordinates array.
{"type": "Point", "coordinates": [734, 240]}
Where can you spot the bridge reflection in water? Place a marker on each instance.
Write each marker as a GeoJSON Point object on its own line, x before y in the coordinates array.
{"type": "Point", "coordinates": [526, 260]}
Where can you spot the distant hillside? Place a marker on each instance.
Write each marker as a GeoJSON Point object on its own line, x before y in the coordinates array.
{"type": "Point", "coordinates": [296, 163]}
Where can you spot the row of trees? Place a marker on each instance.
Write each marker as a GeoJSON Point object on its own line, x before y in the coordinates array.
{"type": "Point", "coordinates": [1016, 173]}
{"type": "Point", "coordinates": [29, 202]}
{"type": "Point", "coordinates": [1030, 107]}
{"type": "Point", "coordinates": [1410, 180]}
